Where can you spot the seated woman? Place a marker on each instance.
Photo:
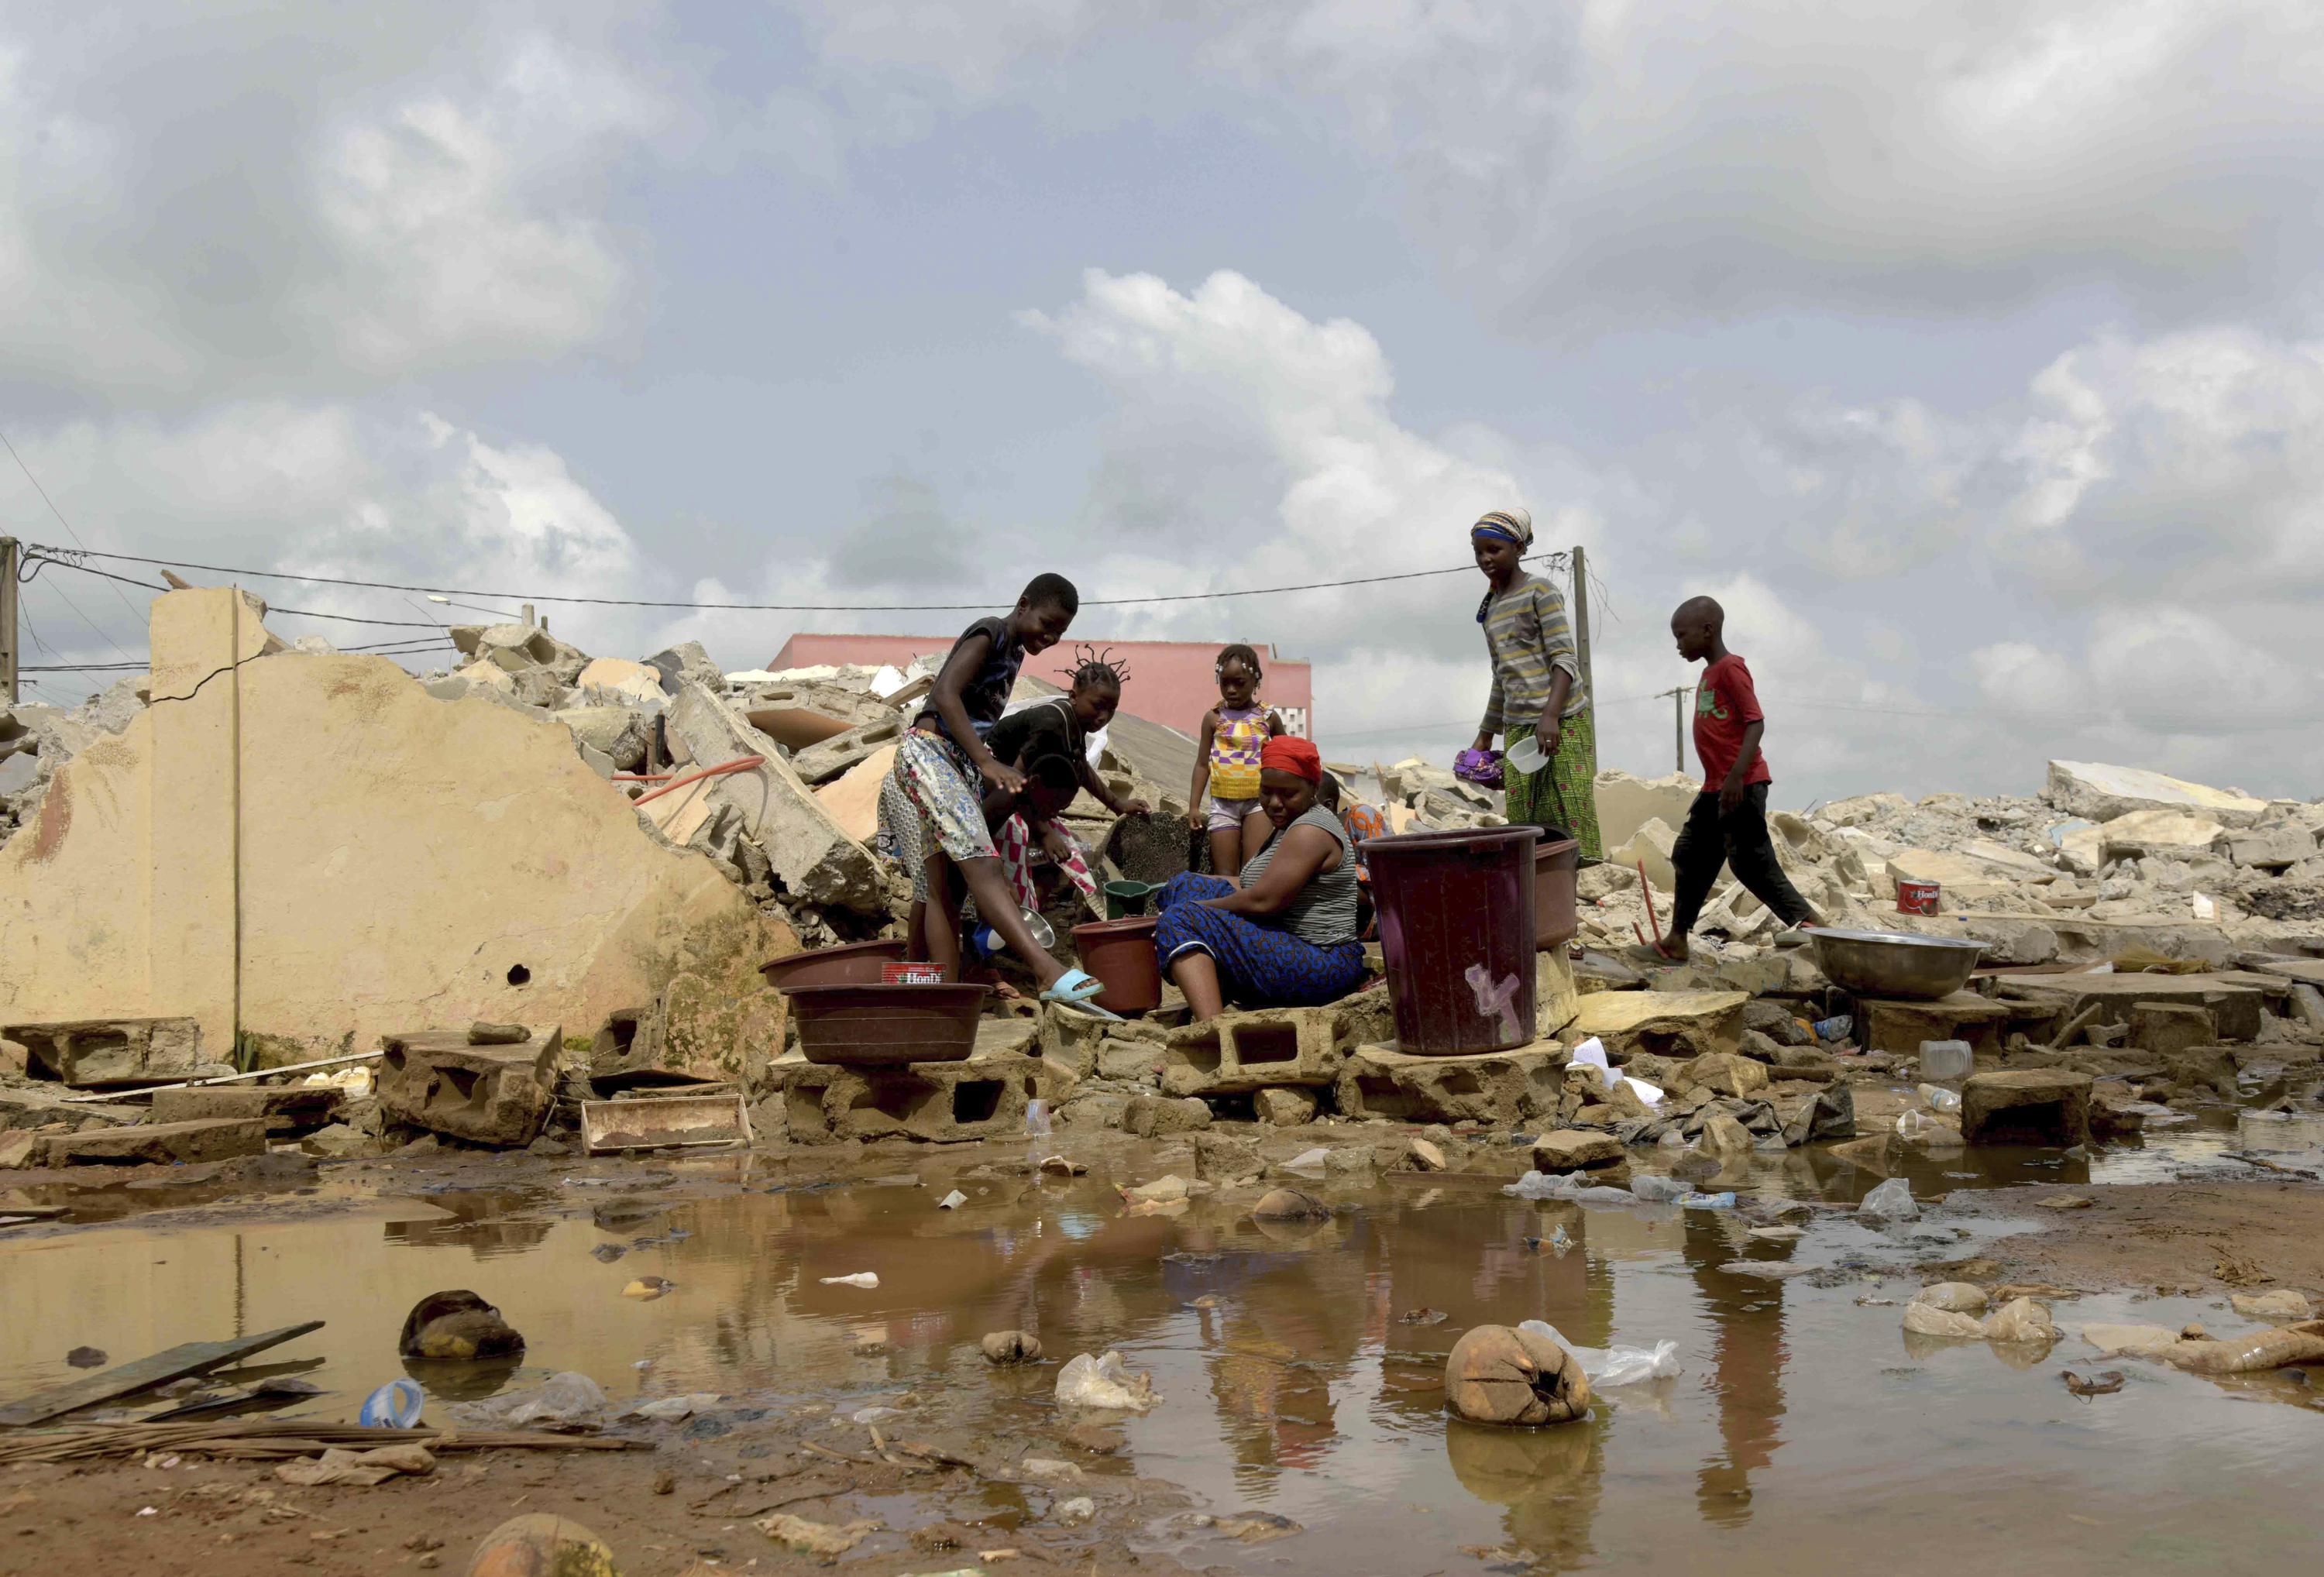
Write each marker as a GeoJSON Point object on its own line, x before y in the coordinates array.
{"type": "Point", "coordinates": [1287, 937]}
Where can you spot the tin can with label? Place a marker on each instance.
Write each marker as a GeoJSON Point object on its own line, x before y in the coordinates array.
{"type": "Point", "coordinates": [912, 973]}
{"type": "Point", "coordinates": [1917, 898]}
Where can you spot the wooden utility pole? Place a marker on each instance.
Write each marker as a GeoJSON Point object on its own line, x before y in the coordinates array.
{"type": "Point", "coordinates": [10, 553]}
{"type": "Point", "coordinates": [1581, 626]}
{"type": "Point", "coordinates": [1678, 724]}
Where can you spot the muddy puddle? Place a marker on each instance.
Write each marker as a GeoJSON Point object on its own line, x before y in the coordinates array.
{"type": "Point", "coordinates": [1805, 1427]}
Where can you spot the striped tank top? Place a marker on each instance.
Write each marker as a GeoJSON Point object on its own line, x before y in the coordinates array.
{"type": "Point", "coordinates": [1235, 745]}
{"type": "Point", "coordinates": [1323, 915]}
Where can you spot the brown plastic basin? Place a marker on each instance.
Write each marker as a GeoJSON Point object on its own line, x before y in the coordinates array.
{"type": "Point", "coordinates": [1555, 919]}
{"type": "Point", "coordinates": [870, 1025]}
{"type": "Point", "coordinates": [857, 964]}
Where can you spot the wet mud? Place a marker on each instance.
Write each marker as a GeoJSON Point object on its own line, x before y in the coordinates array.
{"type": "Point", "coordinates": [1300, 1424]}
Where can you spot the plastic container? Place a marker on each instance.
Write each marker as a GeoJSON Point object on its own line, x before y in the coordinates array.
{"type": "Point", "coordinates": [857, 964]}
{"type": "Point", "coordinates": [1944, 1062]}
{"type": "Point", "coordinates": [1917, 898]}
{"type": "Point", "coordinates": [911, 973]}
{"type": "Point", "coordinates": [867, 1025]}
{"type": "Point", "coordinates": [1120, 952]}
{"type": "Point", "coordinates": [1126, 900]}
{"type": "Point", "coordinates": [1526, 755]}
{"type": "Point", "coordinates": [1555, 919]}
{"type": "Point", "coordinates": [1457, 926]}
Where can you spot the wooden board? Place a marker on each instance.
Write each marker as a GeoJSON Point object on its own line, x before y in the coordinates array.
{"type": "Point", "coordinates": [186, 1357]}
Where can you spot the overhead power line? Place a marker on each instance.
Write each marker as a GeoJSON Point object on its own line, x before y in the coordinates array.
{"type": "Point", "coordinates": [67, 556]}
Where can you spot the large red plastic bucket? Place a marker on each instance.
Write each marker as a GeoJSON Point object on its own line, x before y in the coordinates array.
{"type": "Point", "coordinates": [1121, 954]}
{"type": "Point", "coordinates": [1456, 921]}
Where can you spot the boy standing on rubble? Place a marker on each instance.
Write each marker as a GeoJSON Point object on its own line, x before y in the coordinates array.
{"type": "Point", "coordinates": [1727, 823]}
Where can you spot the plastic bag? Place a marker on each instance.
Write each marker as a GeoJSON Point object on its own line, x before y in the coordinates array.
{"type": "Point", "coordinates": [1652, 1094]}
{"type": "Point", "coordinates": [1659, 1190]}
{"type": "Point", "coordinates": [2020, 1319]}
{"type": "Point", "coordinates": [1308, 1161]}
{"type": "Point", "coordinates": [1592, 1052]}
{"type": "Point", "coordinates": [866, 1279]}
{"type": "Point", "coordinates": [1836, 1029]}
{"type": "Point", "coordinates": [1607, 1367]}
{"type": "Point", "coordinates": [1566, 1186]}
{"type": "Point", "coordinates": [1892, 1201]}
{"type": "Point", "coordinates": [570, 1398]}
{"type": "Point", "coordinates": [1103, 1382]}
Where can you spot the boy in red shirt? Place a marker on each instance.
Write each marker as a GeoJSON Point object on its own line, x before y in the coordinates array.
{"type": "Point", "coordinates": [1728, 820]}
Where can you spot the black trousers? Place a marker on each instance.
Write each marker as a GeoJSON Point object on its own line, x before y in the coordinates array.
{"type": "Point", "coordinates": [1739, 839]}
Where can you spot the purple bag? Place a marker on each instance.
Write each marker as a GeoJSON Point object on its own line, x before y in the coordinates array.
{"type": "Point", "coordinates": [1482, 768]}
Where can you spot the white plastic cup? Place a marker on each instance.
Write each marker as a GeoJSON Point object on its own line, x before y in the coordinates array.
{"type": "Point", "coordinates": [1037, 1120]}
{"type": "Point", "coordinates": [1525, 756]}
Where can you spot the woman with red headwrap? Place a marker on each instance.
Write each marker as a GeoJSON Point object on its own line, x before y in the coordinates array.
{"type": "Point", "coordinates": [1285, 935]}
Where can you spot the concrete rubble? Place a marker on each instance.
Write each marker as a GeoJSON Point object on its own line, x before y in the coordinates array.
{"type": "Point", "coordinates": [2155, 937]}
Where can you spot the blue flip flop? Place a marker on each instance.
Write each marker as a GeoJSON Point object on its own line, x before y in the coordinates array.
{"type": "Point", "coordinates": [1076, 989]}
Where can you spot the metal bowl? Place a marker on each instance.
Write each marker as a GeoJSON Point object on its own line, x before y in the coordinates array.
{"type": "Point", "coordinates": [1893, 963]}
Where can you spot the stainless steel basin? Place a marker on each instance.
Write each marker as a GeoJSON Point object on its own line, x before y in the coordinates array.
{"type": "Point", "coordinates": [1895, 963]}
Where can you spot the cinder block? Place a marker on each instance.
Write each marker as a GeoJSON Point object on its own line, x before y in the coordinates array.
{"type": "Point", "coordinates": [1680, 1025]}
{"type": "Point", "coordinates": [1898, 1026]}
{"type": "Point", "coordinates": [161, 1143]}
{"type": "Point", "coordinates": [90, 1052]}
{"type": "Point", "coordinates": [289, 1109]}
{"type": "Point", "coordinates": [2170, 1028]}
{"type": "Point", "coordinates": [485, 1094]}
{"type": "Point", "coordinates": [1502, 1088]}
{"type": "Point", "coordinates": [938, 1102]}
{"type": "Point", "coordinates": [2026, 1106]}
{"type": "Point", "coordinates": [1269, 1047]}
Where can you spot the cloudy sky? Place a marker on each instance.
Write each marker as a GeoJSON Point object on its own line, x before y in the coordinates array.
{"type": "Point", "coordinates": [1970, 353]}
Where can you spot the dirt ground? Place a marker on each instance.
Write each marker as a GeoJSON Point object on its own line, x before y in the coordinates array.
{"type": "Point", "coordinates": [2193, 1238]}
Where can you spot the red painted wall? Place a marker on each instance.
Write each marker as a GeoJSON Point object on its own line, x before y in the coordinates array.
{"type": "Point", "coordinates": [1170, 681]}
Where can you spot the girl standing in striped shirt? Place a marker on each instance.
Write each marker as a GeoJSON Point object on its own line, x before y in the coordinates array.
{"type": "Point", "coordinates": [1537, 691]}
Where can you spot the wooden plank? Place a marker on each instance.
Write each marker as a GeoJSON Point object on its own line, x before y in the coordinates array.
{"type": "Point", "coordinates": [160, 1369]}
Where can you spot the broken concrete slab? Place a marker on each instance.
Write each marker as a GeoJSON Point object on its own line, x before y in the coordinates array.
{"type": "Point", "coordinates": [617, 732]}
{"type": "Point", "coordinates": [853, 798]}
{"type": "Point", "coordinates": [1285, 1108]}
{"type": "Point", "coordinates": [1626, 803]}
{"type": "Point", "coordinates": [2103, 792]}
{"type": "Point", "coordinates": [698, 1032]}
{"type": "Point", "coordinates": [812, 856]}
{"type": "Point", "coordinates": [2269, 849]}
{"type": "Point", "coordinates": [2026, 1106]}
{"type": "Point", "coordinates": [91, 1053]}
{"type": "Point", "coordinates": [1650, 846]}
{"type": "Point", "coordinates": [1502, 1088]}
{"type": "Point", "coordinates": [2235, 1009]}
{"type": "Point", "coordinates": [1722, 1074]}
{"type": "Point", "coordinates": [1680, 1025]}
{"type": "Point", "coordinates": [2170, 1027]}
{"type": "Point", "coordinates": [485, 1094]}
{"type": "Point", "coordinates": [1237, 1052]}
{"type": "Point", "coordinates": [2173, 835]}
{"type": "Point", "coordinates": [160, 1144]}
{"type": "Point", "coordinates": [629, 684]}
{"type": "Point", "coordinates": [820, 764]}
{"type": "Point", "coordinates": [289, 1109]}
{"type": "Point", "coordinates": [1556, 995]}
{"type": "Point", "coordinates": [1159, 1116]}
{"type": "Point", "coordinates": [1573, 1151]}
{"type": "Point", "coordinates": [685, 660]}
{"type": "Point", "coordinates": [1899, 1026]}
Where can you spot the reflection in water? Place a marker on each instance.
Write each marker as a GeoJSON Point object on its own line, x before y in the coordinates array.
{"type": "Point", "coordinates": [1747, 1316]}
{"type": "Point", "coordinates": [1287, 1380]}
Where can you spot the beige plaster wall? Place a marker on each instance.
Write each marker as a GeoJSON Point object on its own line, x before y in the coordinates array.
{"type": "Point", "coordinates": [391, 857]}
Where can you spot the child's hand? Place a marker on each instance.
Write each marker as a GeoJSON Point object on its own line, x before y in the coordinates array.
{"type": "Point", "coordinates": [1730, 793]}
{"type": "Point", "coordinates": [1134, 807]}
{"type": "Point", "coordinates": [1196, 817]}
{"type": "Point", "coordinates": [1002, 776]}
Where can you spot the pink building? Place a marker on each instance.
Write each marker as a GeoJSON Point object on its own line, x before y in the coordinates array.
{"type": "Point", "coordinates": [1170, 681]}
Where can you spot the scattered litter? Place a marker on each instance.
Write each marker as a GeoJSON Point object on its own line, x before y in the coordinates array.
{"type": "Point", "coordinates": [1608, 1367]}
{"type": "Point", "coordinates": [866, 1279]}
{"type": "Point", "coordinates": [1725, 1200]}
{"type": "Point", "coordinates": [646, 1289]}
{"type": "Point", "coordinates": [812, 1538]}
{"type": "Point", "coordinates": [2105, 1383]}
{"type": "Point", "coordinates": [2068, 1202]}
{"type": "Point", "coordinates": [360, 1467]}
{"type": "Point", "coordinates": [1060, 1166]}
{"type": "Point", "coordinates": [1658, 1189]}
{"type": "Point", "coordinates": [563, 1400]}
{"type": "Point", "coordinates": [1939, 1099]}
{"type": "Point", "coordinates": [1568, 1186]}
{"type": "Point", "coordinates": [394, 1405]}
{"type": "Point", "coordinates": [666, 1409]}
{"type": "Point", "coordinates": [1592, 1053]}
{"type": "Point", "coordinates": [873, 1415]}
{"type": "Point", "coordinates": [1496, 1375]}
{"type": "Point", "coordinates": [1075, 1512]}
{"type": "Point", "coordinates": [952, 1201]}
{"type": "Point", "coordinates": [1423, 1316]}
{"type": "Point", "coordinates": [1006, 1347]}
{"type": "Point", "coordinates": [1308, 1161]}
{"type": "Point", "coordinates": [1836, 1029]}
{"type": "Point", "coordinates": [1891, 1201]}
{"type": "Point", "coordinates": [1104, 1382]}
{"type": "Point", "coordinates": [1778, 1234]}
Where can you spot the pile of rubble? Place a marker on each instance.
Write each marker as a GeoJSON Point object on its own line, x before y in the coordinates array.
{"type": "Point", "coordinates": [774, 778]}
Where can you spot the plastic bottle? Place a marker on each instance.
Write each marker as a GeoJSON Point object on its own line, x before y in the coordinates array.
{"type": "Point", "coordinates": [1944, 1062]}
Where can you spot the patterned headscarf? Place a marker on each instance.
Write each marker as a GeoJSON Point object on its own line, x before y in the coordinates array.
{"type": "Point", "coordinates": [1510, 525]}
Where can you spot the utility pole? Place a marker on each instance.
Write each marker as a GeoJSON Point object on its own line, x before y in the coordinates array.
{"type": "Point", "coordinates": [9, 554]}
{"type": "Point", "coordinates": [1582, 625]}
{"type": "Point", "coordinates": [1678, 723]}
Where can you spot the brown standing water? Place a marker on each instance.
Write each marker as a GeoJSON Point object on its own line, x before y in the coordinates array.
{"type": "Point", "coordinates": [1805, 1427]}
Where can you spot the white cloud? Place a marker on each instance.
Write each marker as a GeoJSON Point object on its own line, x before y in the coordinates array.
{"type": "Point", "coordinates": [269, 201]}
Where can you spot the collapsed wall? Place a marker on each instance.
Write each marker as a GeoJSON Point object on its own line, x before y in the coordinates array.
{"type": "Point", "coordinates": [309, 850]}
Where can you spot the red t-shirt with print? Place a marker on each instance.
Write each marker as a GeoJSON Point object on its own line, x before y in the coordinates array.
{"type": "Point", "coordinates": [1725, 704]}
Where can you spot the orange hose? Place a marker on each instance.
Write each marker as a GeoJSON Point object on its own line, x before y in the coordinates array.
{"type": "Point", "coordinates": [738, 764]}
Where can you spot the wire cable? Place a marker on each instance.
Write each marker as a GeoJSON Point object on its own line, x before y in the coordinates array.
{"type": "Point", "coordinates": [66, 555]}
{"type": "Point", "coordinates": [51, 502]}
